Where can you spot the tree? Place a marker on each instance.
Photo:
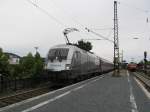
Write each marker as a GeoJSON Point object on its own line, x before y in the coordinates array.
{"type": "Point", "coordinates": [15, 71]}
{"type": "Point", "coordinates": [142, 62]}
{"type": "Point", "coordinates": [27, 64]}
{"type": "Point", "coordinates": [38, 65]}
{"type": "Point", "coordinates": [84, 45]}
{"type": "Point", "coordinates": [31, 66]}
{"type": "Point", "coordinates": [148, 62]}
{"type": "Point", "coordinates": [4, 63]}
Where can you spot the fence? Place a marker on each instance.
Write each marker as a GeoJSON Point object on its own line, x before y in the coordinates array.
{"type": "Point", "coordinates": [7, 84]}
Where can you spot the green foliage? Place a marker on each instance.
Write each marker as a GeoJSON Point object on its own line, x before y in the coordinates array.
{"type": "Point", "coordinates": [38, 65]}
{"type": "Point", "coordinates": [4, 63]}
{"type": "Point", "coordinates": [142, 62]}
{"type": "Point", "coordinates": [26, 63]}
{"type": "Point", "coordinates": [15, 71]}
{"type": "Point", "coordinates": [148, 63]}
{"type": "Point", "coordinates": [31, 65]}
{"type": "Point", "coordinates": [84, 45]}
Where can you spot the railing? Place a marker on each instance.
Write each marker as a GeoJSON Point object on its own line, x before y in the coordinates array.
{"type": "Point", "coordinates": [7, 84]}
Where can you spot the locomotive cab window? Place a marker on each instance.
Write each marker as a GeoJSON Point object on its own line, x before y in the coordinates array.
{"type": "Point", "coordinates": [58, 53]}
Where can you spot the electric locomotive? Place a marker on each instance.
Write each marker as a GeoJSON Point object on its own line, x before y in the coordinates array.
{"type": "Point", "coordinates": [68, 62]}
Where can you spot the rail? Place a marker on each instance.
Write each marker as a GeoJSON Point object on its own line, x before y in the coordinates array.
{"type": "Point", "coordinates": [12, 99]}
{"type": "Point", "coordinates": [8, 100]}
{"type": "Point", "coordinates": [144, 79]}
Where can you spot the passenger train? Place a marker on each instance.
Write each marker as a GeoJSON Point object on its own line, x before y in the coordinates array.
{"type": "Point", "coordinates": [132, 67]}
{"type": "Point", "coordinates": [68, 62]}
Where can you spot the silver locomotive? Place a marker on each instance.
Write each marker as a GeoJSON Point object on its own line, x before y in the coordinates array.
{"type": "Point", "coordinates": [68, 62]}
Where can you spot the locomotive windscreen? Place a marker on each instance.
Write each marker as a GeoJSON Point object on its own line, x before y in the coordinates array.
{"type": "Point", "coordinates": [60, 53]}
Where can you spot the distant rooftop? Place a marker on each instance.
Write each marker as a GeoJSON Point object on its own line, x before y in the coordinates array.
{"type": "Point", "coordinates": [12, 54]}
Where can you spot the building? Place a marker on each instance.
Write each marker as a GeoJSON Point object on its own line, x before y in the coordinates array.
{"type": "Point", "coordinates": [13, 58]}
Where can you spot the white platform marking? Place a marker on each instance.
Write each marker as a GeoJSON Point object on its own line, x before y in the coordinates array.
{"type": "Point", "coordinates": [78, 88]}
{"type": "Point", "coordinates": [57, 97]}
{"type": "Point", "coordinates": [132, 98]}
{"type": "Point", "coordinates": [46, 102]}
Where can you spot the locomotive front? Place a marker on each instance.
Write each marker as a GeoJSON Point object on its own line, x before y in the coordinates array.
{"type": "Point", "coordinates": [57, 59]}
{"type": "Point", "coordinates": [58, 62]}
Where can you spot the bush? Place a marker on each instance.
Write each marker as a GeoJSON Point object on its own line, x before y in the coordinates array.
{"type": "Point", "coordinates": [31, 66]}
{"type": "Point", "coordinates": [84, 45]}
{"type": "Point", "coordinates": [4, 64]}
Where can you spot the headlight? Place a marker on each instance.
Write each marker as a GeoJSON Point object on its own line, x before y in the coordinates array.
{"type": "Point", "coordinates": [67, 67]}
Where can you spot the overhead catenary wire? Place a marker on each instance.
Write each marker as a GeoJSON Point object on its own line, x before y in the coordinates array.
{"type": "Point", "coordinates": [99, 35]}
{"type": "Point", "coordinates": [147, 12]}
{"type": "Point", "coordinates": [62, 24]}
{"type": "Point", "coordinates": [79, 23]}
{"type": "Point", "coordinates": [109, 34]}
{"type": "Point", "coordinates": [140, 10]}
{"type": "Point", "coordinates": [46, 12]}
{"type": "Point", "coordinates": [102, 28]}
{"type": "Point", "coordinates": [52, 17]}
{"type": "Point", "coordinates": [134, 7]}
{"type": "Point", "coordinates": [67, 13]}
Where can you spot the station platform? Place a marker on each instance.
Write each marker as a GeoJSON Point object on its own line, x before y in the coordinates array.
{"type": "Point", "coordinates": [100, 94]}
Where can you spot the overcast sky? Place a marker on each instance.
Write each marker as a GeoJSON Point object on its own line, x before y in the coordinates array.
{"type": "Point", "coordinates": [23, 26]}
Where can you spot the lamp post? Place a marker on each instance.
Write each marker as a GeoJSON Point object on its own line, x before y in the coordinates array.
{"type": "Point", "coordinates": [145, 62]}
{"type": "Point", "coordinates": [36, 49]}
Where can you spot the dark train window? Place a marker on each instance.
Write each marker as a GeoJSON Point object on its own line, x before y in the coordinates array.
{"type": "Point", "coordinates": [61, 53]}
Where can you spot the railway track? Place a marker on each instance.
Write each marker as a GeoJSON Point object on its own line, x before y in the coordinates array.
{"type": "Point", "coordinates": [144, 79]}
{"type": "Point", "coordinates": [5, 101]}
{"type": "Point", "coordinates": [12, 99]}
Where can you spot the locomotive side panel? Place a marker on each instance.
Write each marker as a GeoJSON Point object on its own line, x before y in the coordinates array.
{"type": "Point", "coordinates": [106, 66]}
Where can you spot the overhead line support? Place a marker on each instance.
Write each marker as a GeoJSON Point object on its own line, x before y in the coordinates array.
{"type": "Point", "coordinates": [116, 41]}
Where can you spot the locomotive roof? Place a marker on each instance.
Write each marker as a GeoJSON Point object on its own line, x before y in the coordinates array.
{"type": "Point", "coordinates": [63, 45]}
{"type": "Point", "coordinates": [75, 47]}
{"type": "Point", "coordinates": [70, 46]}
